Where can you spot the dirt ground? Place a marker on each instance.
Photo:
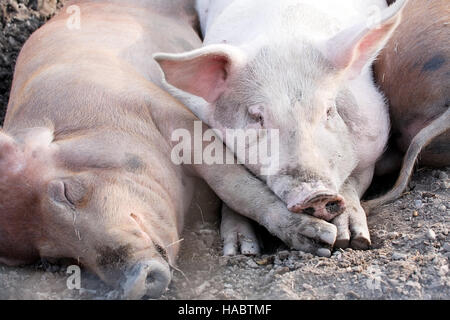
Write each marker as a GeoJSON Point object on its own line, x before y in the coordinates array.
{"type": "Point", "coordinates": [409, 258]}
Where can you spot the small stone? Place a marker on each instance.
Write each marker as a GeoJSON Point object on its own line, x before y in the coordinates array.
{"type": "Point", "coordinates": [264, 261]}
{"type": "Point", "coordinates": [352, 295]}
{"type": "Point", "coordinates": [398, 256]}
{"type": "Point", "coordinates": [283, 255]}
{"type": "Point", "coordinates": [417, 225]}
{"type": "Point", "coordinates": [446, 247]}
{"type": "Point", "coordinates": [443, 175]}
{"type": "Point", "coordinates": [431, 234]}
{"type": "Point", "coordinates": [442, 208]}
{"type": "Point", "coordinates": [415, 213]}
{"type": "Point", "coordinates": [418, 204]}
{"type": "Point", "coordinates": [323, 252]}
{"type": "Point", "coordinates": [307, 286]}
{"type": "Point", "coordinates": [252, 264]}
{"type": "Point", "coordinates": [282, 270]}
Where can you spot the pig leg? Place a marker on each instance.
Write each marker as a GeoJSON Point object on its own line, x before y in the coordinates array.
{"type": "Point", "coordinates": [352, 224]}
{"type": "Point", "coordinates": [420, 141]}
{"type": "Point", "coordinates": [238, 234]}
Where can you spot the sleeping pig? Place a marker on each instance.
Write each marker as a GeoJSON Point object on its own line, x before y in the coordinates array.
{"type": "Point", "coordinates": [301, 67]}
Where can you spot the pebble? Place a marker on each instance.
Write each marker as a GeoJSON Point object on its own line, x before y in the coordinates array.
{"type": "Point", "coordinates": [446, 247]}
{"type": "Point", "coordinates": [252, 264]}
{"type": "Point", "coordinates": [442, 208]}
{"type": "Point", "coordinates": [417, 225]}
{"type": "Point", "coordinates": [323, 252]}
{"type": "Point", "coordinates": [307, 286]}
{"type": "Point", "coordinates": [282, 270]}
{"type": "Point", "coordinates": [431, 234]}
{"type": "Point", "coordinates": [418, 204]}
{"type": "Point", "coordinates": [283, 255]}
{"type": "Point", "coordinates": [265, 260]}
{"type": "Point", "coordinates": [443, 176]}
{"type": "Point", "coordinates": [398, 256]}
{"type": "Point", "coordinates": [352, 295]}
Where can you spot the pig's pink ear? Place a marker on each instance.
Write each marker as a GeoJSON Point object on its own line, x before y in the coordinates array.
{"type": "Point", "coordinates": [356, 47]}
{"type": "Point", "coordinates": [203, 72]}
{"type": "Point", "coordinates": [7, 146]}
{"type": "Point", "coordinates": [9, 160]}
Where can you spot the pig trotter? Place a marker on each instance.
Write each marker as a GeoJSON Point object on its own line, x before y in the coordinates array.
{"type": "Point", "coordinates": [353, 230]}
{"type": "Point", "coordinates": [238, 234]}
{"type": "Point", "coordinates": [420, 141]}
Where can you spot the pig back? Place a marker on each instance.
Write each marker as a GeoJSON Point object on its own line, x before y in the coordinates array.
{"type": "Point", "coordinates": [413, 71]}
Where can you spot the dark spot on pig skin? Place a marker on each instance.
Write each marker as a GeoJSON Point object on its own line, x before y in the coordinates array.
{"type": "Point", "coordinates": [133, 163]}
{"type": "Point", "coordinates": [113, 258]}
{"type": "Point", "coordinates": [162, 252]}
{"type": "Point", "coordinates": [434, 63]}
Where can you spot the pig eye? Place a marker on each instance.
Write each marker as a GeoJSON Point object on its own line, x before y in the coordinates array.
{"type": "Point", "coordinates": [58, 192]}
{"type": "Point", "coordinates": [256, 113]}
{"type": "Point", "coordinates": [68, 191]}
{"type": "Point", "coordinates": [331, 112]}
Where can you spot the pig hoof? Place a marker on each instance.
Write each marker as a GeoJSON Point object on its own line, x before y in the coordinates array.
{"type": "Point", "coordinates": [238, 243]}
{"type": "Point", "coordinates": [360, 243]}
{"type": "Point", "coordinates": [238, 234]}
{"type": "Point", "coordinates": [342, 243]}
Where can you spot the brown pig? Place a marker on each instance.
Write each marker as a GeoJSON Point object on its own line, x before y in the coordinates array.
{"type": "Point", "coordinates": [85, 152]}
{"type": "Point", "coordinates": [413, 70]}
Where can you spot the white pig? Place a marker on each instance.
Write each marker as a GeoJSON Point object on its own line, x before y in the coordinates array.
{"type": "Point", "coordinates": [302, 67]}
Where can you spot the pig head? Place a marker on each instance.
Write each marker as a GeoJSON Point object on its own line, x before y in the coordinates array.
{"type": "Point", "coordinates": [62, 199]}
{"type": "Point", "coordinates": [318, 95]}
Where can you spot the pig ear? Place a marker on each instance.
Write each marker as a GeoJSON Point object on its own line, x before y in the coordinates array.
{"type": "Point", "coordinates": [203, 72]}
{"type": "Point", "coordinates": [7, 145]}
{"type": "Point", "coordinates": [356, 47]}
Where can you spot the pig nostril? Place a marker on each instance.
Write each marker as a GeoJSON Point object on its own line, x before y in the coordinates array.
{"type": "Point", "coordinates": [310, 211]}
{"type": "Point", "coordinates": [157, 281]}
{"type": "Point", "coordinates": [334, 207]}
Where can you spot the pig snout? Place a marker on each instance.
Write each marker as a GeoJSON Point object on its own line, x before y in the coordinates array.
{"type": "Point", "coordinates": [148, 278]}
{"type": "Point", "coordinates": [324, 205]}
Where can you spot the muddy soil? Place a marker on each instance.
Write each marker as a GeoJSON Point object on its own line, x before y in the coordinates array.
{"type": "Point", "coordinates": [409, 258]}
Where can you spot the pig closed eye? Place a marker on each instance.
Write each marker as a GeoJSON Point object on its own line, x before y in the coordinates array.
{"type": "Point", "coordinates": [69, 192]}
{"type": "Point", "coordinates": [58, 192]}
